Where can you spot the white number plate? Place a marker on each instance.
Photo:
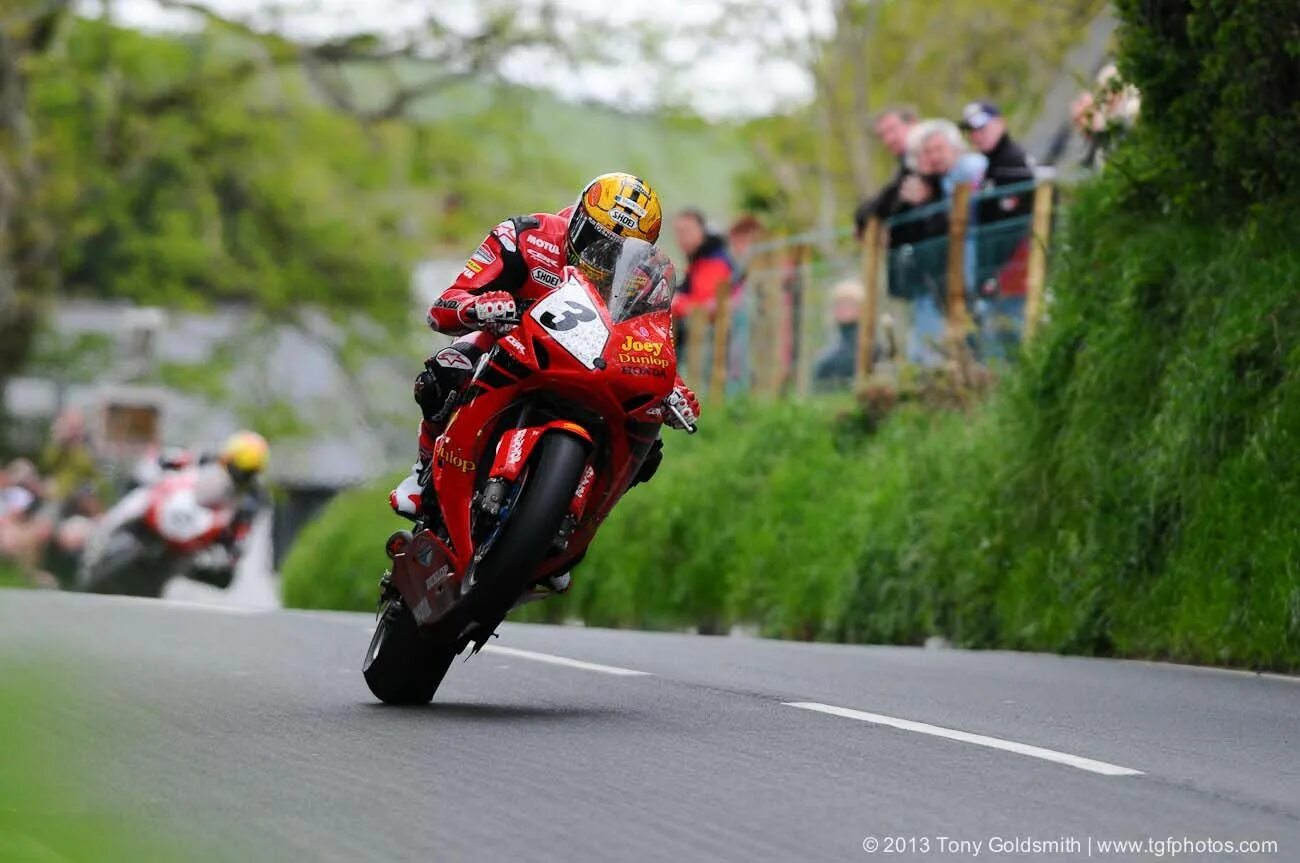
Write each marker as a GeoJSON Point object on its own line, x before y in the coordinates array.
{"type": "Point", "coordinates": [569, 314]}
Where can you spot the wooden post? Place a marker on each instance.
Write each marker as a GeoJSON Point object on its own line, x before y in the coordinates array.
{"type": "Point", "coordinates": [721, 339]}
{"type": "Point", "coordinates": [871, 249]}
{"type": "Point", "coordinates": [1036, 270]}
{"type": "Point", "coordinates": [758, 284]}
{"type": "Point", "coordinates": [958, 221]}
{"type": "Point", "coordinates": [775, 312]}
{"type": "Point", "coordinates": [804, 324]}
{"type": "Point", "coordinates": [697, 339]}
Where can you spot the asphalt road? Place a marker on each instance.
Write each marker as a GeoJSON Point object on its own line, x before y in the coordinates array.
{"type": "Point", "coordinates": [252, 734]}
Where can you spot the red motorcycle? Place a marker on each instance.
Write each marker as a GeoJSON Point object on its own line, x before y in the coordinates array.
{"type": "Point", "coordinates": [169, 528]}
{"type": "Point", "coordinates": [550, 433]}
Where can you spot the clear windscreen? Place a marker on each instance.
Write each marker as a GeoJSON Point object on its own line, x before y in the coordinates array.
{"type": "Point", "coordinates": [633, 277]}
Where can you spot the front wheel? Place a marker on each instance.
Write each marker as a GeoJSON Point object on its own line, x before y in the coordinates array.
{"type": "Point", "coordinates": [403, 667]}
{"type": "Point", "coordinates": [527, 535]}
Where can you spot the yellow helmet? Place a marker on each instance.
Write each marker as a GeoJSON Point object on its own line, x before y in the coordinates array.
{"type": "Point", "coordinates": [613, 207]}
{"type": "Point", "coordinates": [246, 453]}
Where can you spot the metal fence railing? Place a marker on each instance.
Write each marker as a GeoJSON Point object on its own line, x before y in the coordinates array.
{"type": "Point", "coordinates": [817, 311]}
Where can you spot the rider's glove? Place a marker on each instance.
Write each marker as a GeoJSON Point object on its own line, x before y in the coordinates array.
{"type": "Point", "coordinates": [683, 399]}
{"type": "Point", "coordinates": [493, 311]}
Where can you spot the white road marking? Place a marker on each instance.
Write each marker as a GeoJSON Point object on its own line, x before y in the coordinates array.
{"type": "Point", "coordinates": [189, 605]}
{"type": "Point", "coordinates": [561, 660]}
{"type": "Point", "coordinates": [1077, 761]}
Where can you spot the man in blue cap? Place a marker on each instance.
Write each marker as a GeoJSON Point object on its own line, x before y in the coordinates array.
{"type": "Point", "coordinates": [986, 128]}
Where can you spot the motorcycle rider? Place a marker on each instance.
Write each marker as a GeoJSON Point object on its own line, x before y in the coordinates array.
{"type": "Point", "coordinates": [233, 476]}
{"type": "Point", "coordinates": [522, 259]}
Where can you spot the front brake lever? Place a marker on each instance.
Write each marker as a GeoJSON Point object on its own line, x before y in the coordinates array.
{"type": "Point", "coordinates": [687, 425]}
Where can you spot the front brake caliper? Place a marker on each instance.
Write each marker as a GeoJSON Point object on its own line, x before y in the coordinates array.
{"type": "Point", "coordinates": [493, 496]}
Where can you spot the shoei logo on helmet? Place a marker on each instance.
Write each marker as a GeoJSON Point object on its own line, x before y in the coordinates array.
{"type": "Point", "coordinates": [625, 219]}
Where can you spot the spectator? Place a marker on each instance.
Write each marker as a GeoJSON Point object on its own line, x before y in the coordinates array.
{"type": "Point", "coordinates": [1007, 162]}
{"type": "Point", "coordinates": [892, 127]}
{"type": "Point", "coordinates": [836, 365]}
{"type": "Point", "coordinates": [69, 462]}
{"type": "Point", "coordinates": [941, 158]}
{"type": "Point", "coordinates": [1001, 254]}
{"type": "Point", "coordinates": [25, 527]}
{"type": "Point", "coordinates": [708, 269]}
{"type": "Point", "coordinates": [1105, 113]}
{"type": "Point", "coordinates": [941, 154]}
{"type": "Point", "coordinates": [745, 232]}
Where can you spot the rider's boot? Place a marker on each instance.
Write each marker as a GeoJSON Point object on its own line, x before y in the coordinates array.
{"type": "Point", "coordinates": [407, 500]}
{"type": "Point", "coordinates": [437, 389]}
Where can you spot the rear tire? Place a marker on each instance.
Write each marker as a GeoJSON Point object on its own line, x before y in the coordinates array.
{"type": "Point", "coordinates": [402, 666]}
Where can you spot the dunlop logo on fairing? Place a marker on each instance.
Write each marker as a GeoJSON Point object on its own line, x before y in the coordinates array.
{"type": "Point", "coordinates": [447, 455]}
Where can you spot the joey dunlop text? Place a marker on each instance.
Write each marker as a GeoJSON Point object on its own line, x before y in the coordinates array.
{"type": "Point", "coordinates": [1071, 847]}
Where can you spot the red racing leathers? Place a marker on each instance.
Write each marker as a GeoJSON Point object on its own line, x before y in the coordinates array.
{"type": "Point", "coordinates": [523, 256]}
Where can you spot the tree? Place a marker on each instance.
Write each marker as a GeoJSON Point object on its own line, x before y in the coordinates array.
{"type": "Point", "coordinates": [234, 162]}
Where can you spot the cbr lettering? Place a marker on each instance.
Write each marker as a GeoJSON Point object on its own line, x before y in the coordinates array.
{"type": "Point", "coordinates": [577, 314]}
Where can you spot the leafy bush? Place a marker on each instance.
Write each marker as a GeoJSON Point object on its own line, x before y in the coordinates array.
{"type": "Point", "coordinates": [1220, 86]}
{"type": "Point", "coordinates": [337, 560]}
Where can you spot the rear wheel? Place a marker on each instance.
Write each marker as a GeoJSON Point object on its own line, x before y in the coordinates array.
{"type": "Point", "coordinates": [402, 666]}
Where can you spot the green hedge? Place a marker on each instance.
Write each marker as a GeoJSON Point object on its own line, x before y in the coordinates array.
{"type": "Point", "coordinates": [1220, 82]}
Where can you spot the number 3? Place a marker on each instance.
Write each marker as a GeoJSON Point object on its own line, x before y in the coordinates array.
{"type": "Point", "coordinates": [577, 314]}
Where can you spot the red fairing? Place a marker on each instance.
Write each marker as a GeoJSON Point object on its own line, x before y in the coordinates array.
{"type": "Point", "coordinates": [523, 256]}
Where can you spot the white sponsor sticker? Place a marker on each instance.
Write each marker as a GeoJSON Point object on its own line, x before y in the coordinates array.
{"type": "Point", "coordinates": [546, 277]}
{"type": "Point", "coordinates": [543, 244]}
{"type": "Point", "coordinates": [569, 315]}
{"type": "Point", "coordinates": [632, 205]}
{"type": "Point", "coordinates": [627, 220]}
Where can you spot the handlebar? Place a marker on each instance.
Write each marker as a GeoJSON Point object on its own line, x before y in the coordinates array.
{"type": "Point", "coordinates": [688, 425]}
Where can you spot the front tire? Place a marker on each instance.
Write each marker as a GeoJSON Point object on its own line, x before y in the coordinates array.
{"type": "Point", "coordinates": [507, 570]}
